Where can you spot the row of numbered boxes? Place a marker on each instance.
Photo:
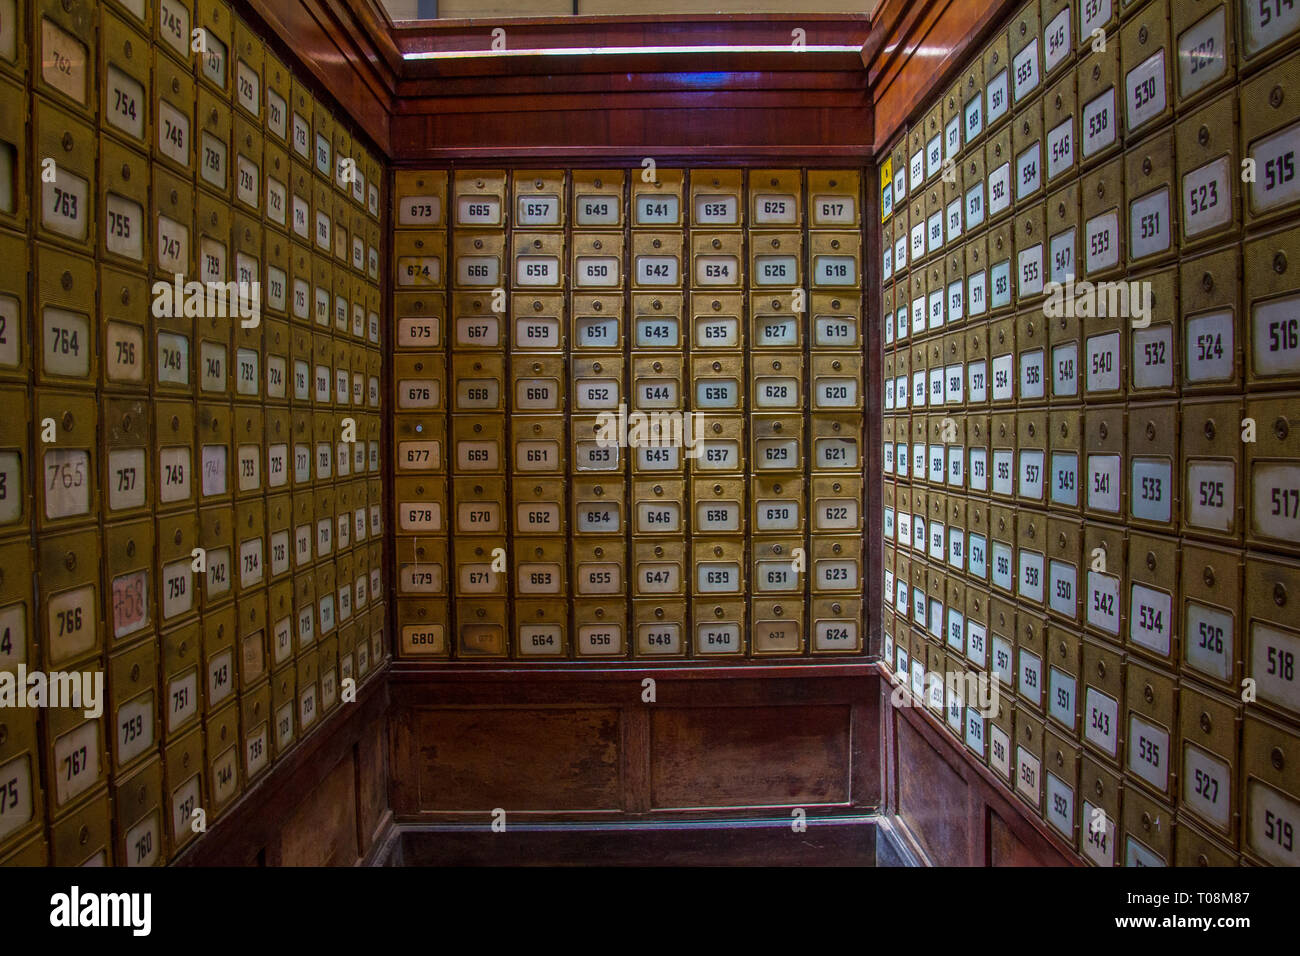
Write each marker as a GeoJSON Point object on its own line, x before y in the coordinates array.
{"type": "Point", "coordinates": [586, 322]}
{"type": "Point", "coordinates": [198, 667]}
{"type": "Point", "coordinates": [137, 197]}
{"type": "Point", "coordinates": [1150, 741]}
{"type": "Point", "coordinates": [164, 767]}
{"type": "Point", "coordinates": [112, 588]}
{"type": "Point", "coordinates": [1183, 187]}
{"type": "Point", "coordinates": [1166, 58]}
{"type": "Point", "coordinates": [1191, 342]}
{"type": "Point", "coordinates": [150, 84]}
{"type": "Point", "coordinates": [545, 628]}
{"type": "Point", "coordinates": [710, 568]}
{"type": "Point", "coordinates": [168, 231]}
{"type": "Point", "coordinates": [540, 199]}
{"type": "Point", "coordinates": [540, 445]}
{"type": "Point", "coordinates": [185, 351]}
{"type": "Point", "coordinates": [132, 457]}
{"type": "Point", "coordinates": [597, 260]}
{"type": "Point", "coordinates": [547, 384]}
{"type": "Point", "coordinates": [1184, 606]}
{"type": "Point", "coordinates": [1215, 469]}
{"type": "Point", "coordinates": [659, 506]}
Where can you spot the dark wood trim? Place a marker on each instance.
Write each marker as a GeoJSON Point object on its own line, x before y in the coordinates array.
{"type": "Point", "coordinates": [528, 683]}
{"type": "Point", "coordinates": [903, 841]}
{"type": "Point", "coordinates": [916, 49]}
{"type": "Point", "coordinates": [688, 124]}
{"type": "Point", "coordinates": [249, 831]}
{"type": "Point", "coordinates": [386, 850]}
{"type": "Point", "coordinates": [330, 44]}
{"type": "Point", "coordinates": [783, 103]}
{"type": "Point", "coordinates": [417, 96]}
{"type": "Point", "coordinates": [986, 793]}
{"type": "Point", "coordinates": [385, 837]}
{"type": "Point", "coordinates": [849, 840]}
{"type": "Point", "coordinates": [430, 74]}
{"type": "Point", "coordinates": [779, 104]}
{"type": "Point", "coordinates": [599, 156]}
{"type": "Point", "coordinates": [872, 456]}
{"type": "Point", "coordinates": [417, 691]}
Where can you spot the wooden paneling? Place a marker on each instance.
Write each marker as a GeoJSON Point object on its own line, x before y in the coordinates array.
{"type": "Point", "coordinates": [282, 812]}
{"type": "Point", "coordinates": [681, 130]}
{"type": "Point", "coordinates": [951, 807]}
{"type": "Point", "coordinates": [372, 785]}
{"type": "Point", "coordinates": [583, 744]}
{"type": "Point", "coordinates": [322, 831]}
{"type": "Point", "coordinates": [653, 30]}
{"type": "Point", "coordinates": [836, 841]}
{"type": "Point", "coordinates": [688, 7]}
{"type": "Point", "coordinates": [787, 102]}
{"type": "Point", "coordinates": [479, 9]}
{"type": "Point", "coordinates": [934, 798]}
{"type": "Point", "coordinates": [914, 51]}
{"type": "Point", "coordinates": [528, 759]}
{"type": "Point", "coordinates": [343, 46]}
{"type": "Point", "coordinates": [749, 756]}
{"type": "Point", "coordinates": [1006, 847]}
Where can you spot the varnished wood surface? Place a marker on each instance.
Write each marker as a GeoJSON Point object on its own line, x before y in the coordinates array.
{"type": "Point", "coordinates": [725, 115]}
{"type": "Point", "coordinates": [781, 104]}
{"type": "Point", "coordinates": [533, 759]}
{"type": "Point", "coordinates": [734, 756]}
{"type": "Point", "coordinates": [725, 104]}
{"type": "Point", "coordinates": [577, 744]}
{"type": "Point", "coordinates": [835, 841]}
{"type": "Point", "coordinates": [322, 831]}
{"type": "Point", "coordinates": [915, 51]}
{"type": "Point", "coordinates": [953, 807]}
{"type": "Point", "coordinates": [330, 39]}
{"type": "Point", "coordinates": [266, 825]}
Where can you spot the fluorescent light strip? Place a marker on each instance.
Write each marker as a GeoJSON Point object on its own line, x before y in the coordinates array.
{"type": "Point", "coordinates": [623, 51]}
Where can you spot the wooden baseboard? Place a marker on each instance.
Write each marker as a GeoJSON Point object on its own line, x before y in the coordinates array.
{"type": "Point", "coordinates": [827, 841]}
{"type": "Point", "coordinates": [386, 848]}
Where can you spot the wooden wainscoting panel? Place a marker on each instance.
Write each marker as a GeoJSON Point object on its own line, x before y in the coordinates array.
{"type": "Point", "coordinates": [298, 812]}
{"type": "Point", "coordinates": [322, 831]}
{"type": "Point", "coordinates": [518, 759]}
{"type": "Point", "coordinates": [582, 744]}
{"type": "Point", "coordinates": [1007, 847]}
{"type": "Point", "coordinates": [749, 756]}
{"type": "Point", "coordinates": [372, 783]}
{"type": "Point", "coordinates": [934, 799]}
{"type": "Point", "coordinates": [951, 807]}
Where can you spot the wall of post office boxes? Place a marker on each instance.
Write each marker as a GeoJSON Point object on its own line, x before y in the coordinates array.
{"type": "Point", "coordinates": [1092, 492]}
{"type": "Point", "coordinates": [190, 492]}
{"type": "Point", "coordinates": [629, 413]}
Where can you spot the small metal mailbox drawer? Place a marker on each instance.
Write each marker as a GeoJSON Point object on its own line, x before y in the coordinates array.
{"type": "Point", "coordinates": [600, 629]}
{"type": "Point", "coordinates": [421, 628]}
{"type": "Point", "coordinates": [658, 203]}
{"type": "Point", "coordinates": [598, 199]}
{"type": "Point", "coordinates": [660, 628]}
{"type": "Point", "coordinates": [1209, 726]}
{"type": "Point", "coordinates": [1270, 802]}
{"type": "Point", "coordinates": [715, 199]}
